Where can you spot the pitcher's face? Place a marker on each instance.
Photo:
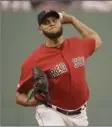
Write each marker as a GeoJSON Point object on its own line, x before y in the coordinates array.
{"type": "Point", "coordinates": [51, 27]}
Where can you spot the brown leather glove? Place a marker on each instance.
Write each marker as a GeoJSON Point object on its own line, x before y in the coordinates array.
{"type": "Point", "coordinates": [40, 90]}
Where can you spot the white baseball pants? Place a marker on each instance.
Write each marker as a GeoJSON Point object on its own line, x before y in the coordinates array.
{"type": "Point", "coordinates": [46, 116]}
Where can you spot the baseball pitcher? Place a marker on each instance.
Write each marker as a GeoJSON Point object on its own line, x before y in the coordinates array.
{"type": "Point", "coordinates": [55, 72]}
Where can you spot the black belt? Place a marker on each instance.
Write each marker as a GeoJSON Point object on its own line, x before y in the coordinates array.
{"type": "Point", "coordinates": [76, 112]}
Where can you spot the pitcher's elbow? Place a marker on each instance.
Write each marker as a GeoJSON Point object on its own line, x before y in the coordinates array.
{"type": "Point", "coordinates": [16, 100]}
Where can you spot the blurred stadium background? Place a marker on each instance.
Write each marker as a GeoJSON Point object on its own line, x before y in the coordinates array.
{"type": "Point", "coordinates": [28, 5]}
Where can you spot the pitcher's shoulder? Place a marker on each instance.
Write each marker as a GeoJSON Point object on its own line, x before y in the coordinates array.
{"type": "Point", "coordinates": [31, 58]}
{"type": "Point", "coordinates": [73, 40]}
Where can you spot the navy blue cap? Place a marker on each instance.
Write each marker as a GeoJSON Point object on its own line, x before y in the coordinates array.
{"type": "Point", "coordinates": [43, 14]}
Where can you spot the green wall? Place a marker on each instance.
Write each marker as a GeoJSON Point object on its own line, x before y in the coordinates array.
{"type": "Point", "coordinates": [0, 69]}
{"type": "Point", "coordinates": [20, 36]}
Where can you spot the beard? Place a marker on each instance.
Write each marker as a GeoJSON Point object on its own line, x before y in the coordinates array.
{"type": "Point", "coordinates": [54, 35]}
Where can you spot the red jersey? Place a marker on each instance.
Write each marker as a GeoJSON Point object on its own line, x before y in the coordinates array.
{"type": "Point", "coordinates": [65, 68]}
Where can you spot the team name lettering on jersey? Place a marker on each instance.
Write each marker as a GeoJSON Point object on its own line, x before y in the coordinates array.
{"type": "Point", "coordinates": [58, 70]}
{"type": "Point", "coordinates": [78, 61]}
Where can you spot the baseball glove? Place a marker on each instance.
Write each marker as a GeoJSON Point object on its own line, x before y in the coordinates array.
{"type": "Point", "coordinates": [40, 89]}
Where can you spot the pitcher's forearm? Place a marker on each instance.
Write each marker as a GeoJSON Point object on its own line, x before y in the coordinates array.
{"type": "Point", "coordinates": [22, 99]}
{"type": "Point", "coordinates": [82, 28]}
{"type": "Point", "coordinates": [86, 32]}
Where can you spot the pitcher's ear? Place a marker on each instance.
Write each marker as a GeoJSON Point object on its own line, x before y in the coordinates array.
{"type": "Point", "coordinates": [39, 29]}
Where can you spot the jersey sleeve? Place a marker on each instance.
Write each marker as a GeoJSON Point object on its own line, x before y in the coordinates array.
{"type": "Point", "coordinates": [88, 45]}
{"type": "Point", "coordinates": [26, 82]}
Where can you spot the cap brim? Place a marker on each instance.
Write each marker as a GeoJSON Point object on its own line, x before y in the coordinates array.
{"type": "Point", "coordinates": [49, 14]}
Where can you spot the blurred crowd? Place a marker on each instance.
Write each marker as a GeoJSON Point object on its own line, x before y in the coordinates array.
{"type": "Point", "coordinates": [28, 5]}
